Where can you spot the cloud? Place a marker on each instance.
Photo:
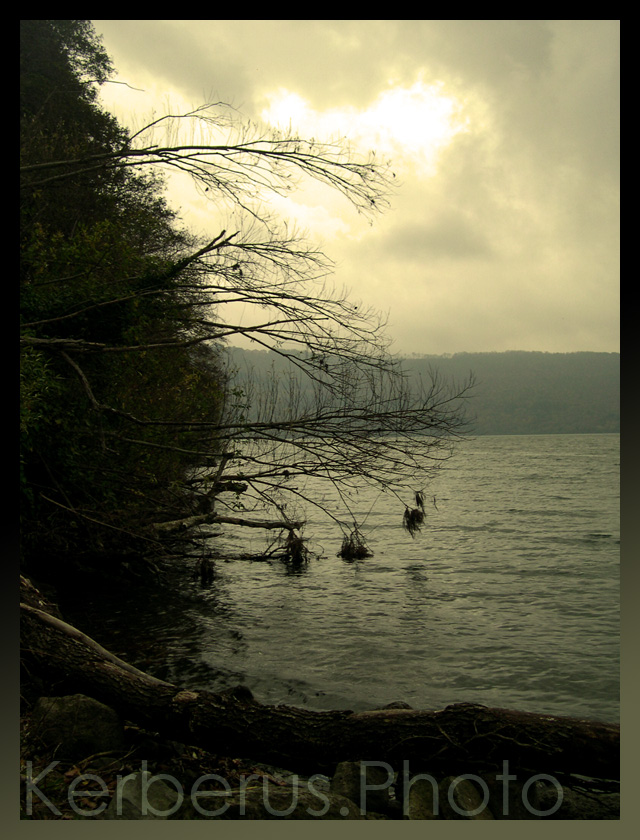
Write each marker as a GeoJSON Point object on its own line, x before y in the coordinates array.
{"type": "Point", "coordinates": [448, 236]}
{"type": "Point", "coordinates": [504, 229]}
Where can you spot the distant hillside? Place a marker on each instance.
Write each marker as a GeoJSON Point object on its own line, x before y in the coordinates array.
{"type": "Point", "coordinates": [524, 393]}
{"type": "Point", "coordinates": [516, 392]}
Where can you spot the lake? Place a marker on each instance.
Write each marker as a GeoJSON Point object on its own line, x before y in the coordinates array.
{"type": "Point", "coordinates": [509, 596]}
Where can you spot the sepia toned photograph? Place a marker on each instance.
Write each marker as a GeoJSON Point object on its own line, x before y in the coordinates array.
{"type": "Point", "coordinates": [319, 419]}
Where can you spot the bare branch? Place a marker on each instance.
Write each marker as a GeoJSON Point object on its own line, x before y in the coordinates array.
{"type": "Point", "coordinates": [339, 408]}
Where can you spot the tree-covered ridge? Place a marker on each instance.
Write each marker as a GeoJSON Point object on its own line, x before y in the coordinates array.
{"type": "Point", "coordinates": [515, 392]}
{"type": "Point", "coordinates": [519, 392]}
{"type": "Point", "coordinates": [130, 429]}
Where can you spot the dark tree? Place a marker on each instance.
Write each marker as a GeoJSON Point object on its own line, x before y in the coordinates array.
{"type": "Point", "coordinates": [131, 424]}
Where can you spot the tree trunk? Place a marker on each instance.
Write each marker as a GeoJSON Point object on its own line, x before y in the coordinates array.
{"type": "Point", "coordinates": [462, 738]}
{"type": "Point", "coordinates": [215, 518]}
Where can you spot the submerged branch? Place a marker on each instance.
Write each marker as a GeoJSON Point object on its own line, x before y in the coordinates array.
{"type": "Point", "coordinates": [218, 519]}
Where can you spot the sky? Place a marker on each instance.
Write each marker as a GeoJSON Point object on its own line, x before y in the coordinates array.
{"type": "Point", "coordinates": [503, 226]}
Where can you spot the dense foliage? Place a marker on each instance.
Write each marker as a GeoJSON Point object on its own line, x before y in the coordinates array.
{"type": "Point", "coordinates": [109, 387]}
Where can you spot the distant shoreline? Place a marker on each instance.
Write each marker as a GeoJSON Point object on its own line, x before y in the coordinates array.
{"type": "Point", "coordinates": [515, 392]}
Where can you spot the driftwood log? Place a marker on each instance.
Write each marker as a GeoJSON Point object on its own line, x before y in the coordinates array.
{"type": "Point", "coordinates": [469, 736]}
{"type": "Point", "coordinates": [218, 519]}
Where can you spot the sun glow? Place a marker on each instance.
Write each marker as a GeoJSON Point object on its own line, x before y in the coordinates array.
{"type": "Point", "coordinates": [411, 125]}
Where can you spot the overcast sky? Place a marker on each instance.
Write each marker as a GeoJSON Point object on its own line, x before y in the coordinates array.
{"type": "Point", "coordinates": [503, 232]}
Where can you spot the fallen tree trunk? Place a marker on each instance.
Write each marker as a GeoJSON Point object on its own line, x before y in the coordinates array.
{"type": "Point", "coordinates": [215, 518]}
{"type": "Point", "coordinates": [463, 738]}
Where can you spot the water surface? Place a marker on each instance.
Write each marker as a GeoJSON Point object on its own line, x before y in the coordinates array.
{"type": "Point", "coordinates": [509, 596]}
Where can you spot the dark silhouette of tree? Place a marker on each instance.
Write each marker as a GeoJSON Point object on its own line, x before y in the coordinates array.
{"type": "Point", "coordinates": [132, 428]}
